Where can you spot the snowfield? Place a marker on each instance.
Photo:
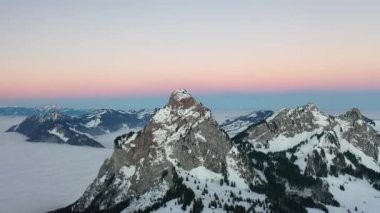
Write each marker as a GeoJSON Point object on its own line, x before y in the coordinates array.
{"type": "Point", "coordinates": [40, 177]}
{"type": "Point", "coordinates": [357, 194]}
{"type": "Point", "coordinates": [377, 125]}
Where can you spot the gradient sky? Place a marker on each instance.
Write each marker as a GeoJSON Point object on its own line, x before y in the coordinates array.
{"type": "Point", "coordinates": [88, 49]}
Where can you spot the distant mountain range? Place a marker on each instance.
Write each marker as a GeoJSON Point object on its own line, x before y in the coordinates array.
{"type": "Point", "coordinates": [241, 123]}
{"type": "Point", "coordinates": [43, 109]}
{"type": "Point", "coordinates": [57, 127]}
{"type": "Point", "coordinates": [295, 160]}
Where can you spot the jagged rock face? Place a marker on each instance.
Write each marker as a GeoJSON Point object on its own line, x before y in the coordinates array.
{"type": "Point", "coordinates": [327, 147]}
{"type": "Point", "coordinates": [181, 135]}
{"type": "Point", "coordinates": [194, 148]}
{"type": "Point", "coordinates": [293, 158]}
{"type": "Point", "coordinates": [360, 133]}
{"type": "Point", "coordinates": [194, 131]}
{"type": "Point", "coordinates": [288, 123]}
{"type": "Point", "coordinates": [309, 151]}
{"type": "Point", "coordinates": [181, 99]}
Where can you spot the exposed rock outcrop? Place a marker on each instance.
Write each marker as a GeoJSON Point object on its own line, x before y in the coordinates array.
{"type": "Point", "coordinates": [181, 139]}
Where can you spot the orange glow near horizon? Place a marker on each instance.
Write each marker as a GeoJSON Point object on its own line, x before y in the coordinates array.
{"type": "Point", "coordinates": [103, 85]}
{"type": "Point", "coordinates": [119, 74]}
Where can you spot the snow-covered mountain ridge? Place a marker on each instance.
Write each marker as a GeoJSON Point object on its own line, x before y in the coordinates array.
{"type": "Point", "coordinates": [308, 152]}
{"type": "Point", "coordinates": [56, 127]}
{"type": "Point", "coordinates": [291, 125]}
{"type": "Point", "coordinates": [296, 160]}
{"type": "Point", "coordinates": [181, 160]}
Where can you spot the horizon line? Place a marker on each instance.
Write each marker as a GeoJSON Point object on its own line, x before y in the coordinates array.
{"type": "Point", "coordinates": [162, 94]}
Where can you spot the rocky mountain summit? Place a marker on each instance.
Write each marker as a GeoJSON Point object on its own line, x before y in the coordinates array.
{"type": "Point", "coordinates": [296, 160]}
{"type": "Point", "coordinates": [180, 160]}
{"type": "Point", "coordinates": [56, 127]}
{"type": "Point", "coordinates": [297, 123]}
{"type": "Point", "coordinates": [306, 150]}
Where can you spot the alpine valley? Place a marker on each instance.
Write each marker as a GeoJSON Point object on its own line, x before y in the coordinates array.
{"type": "Point", "coordinates": [293, 160]}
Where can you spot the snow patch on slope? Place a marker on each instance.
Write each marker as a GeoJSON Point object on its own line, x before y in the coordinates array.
{"type": "Point", "coordinates": [304, 151]}
{"type": "Point", "coordinates": [363, 158]}
{"type": "Point", "coordinates": [93, 123]}
{"type": "Point", "coordinates": [128, 171]}
{"type": "Point", "coordinates": [171, 206]}
{"type": "Point", "coordinates": [149, 198]}
{"type": "Point", "coordinates": [357, 193]}
{"type": "Point", "coordinates": [200, 179]}
{"type": "Point", "coordinates": [367, 161]}
{"type": "Point", "coordinates": [79, 132]}
{"type": "Point", "coordinates": [204, 174]}
{"type": "Point", "coordinates": [58, 134]}
{"type": "Point", "coordinates": [201, 137]}
{"type": "Point", "coordinates": [377, 126]}
{"type": "Point", "coordinates": [321, 119]}
{"type": "Point", "coordinates": [233, 169]}
{"type": "Point", "coordinates": [282, 143]}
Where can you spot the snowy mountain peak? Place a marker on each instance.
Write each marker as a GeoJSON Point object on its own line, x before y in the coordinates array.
{"type": "Point", "coordinates": [98, 113]}
{"type": "Point", "coordinates": [181, 94]}
{"type": "Point", "coordinates": [181, 142]}
{"type": "Point", "coordinates": [49, 107]}
{"type": "Point", "coordinates": [353, 114]}
{"type": "Point", "coordinates": [311, 106]}
{"type": "Point", "coordinates": [285, 124]}
{"type": "Point", "coordinates": [286, 163]}
{"type": "Point", "coordinates": [181, 98]}
{"type": "Point", "coordinates": [53, 115]}
{"type": "Point", "coordinates": [181, 114]}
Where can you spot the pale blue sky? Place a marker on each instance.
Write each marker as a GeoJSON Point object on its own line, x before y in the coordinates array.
{"type": "Point", "coordinates": [284, 53]}
{"type": "Point", "coordinates": [328, 101]}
